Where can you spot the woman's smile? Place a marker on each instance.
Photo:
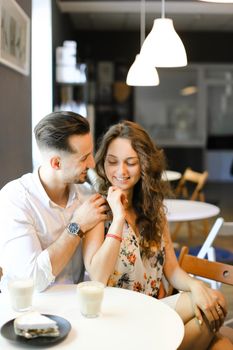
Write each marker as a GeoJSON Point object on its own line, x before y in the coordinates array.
{"type": "Point", "coordinates": [122, 179]}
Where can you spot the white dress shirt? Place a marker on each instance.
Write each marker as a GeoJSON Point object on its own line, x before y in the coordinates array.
{"type": "Point", "coordinates": [29, 223]}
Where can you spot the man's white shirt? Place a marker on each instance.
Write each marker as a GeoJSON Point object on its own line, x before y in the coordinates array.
{"type": "Point", "coordinates": [29, 223]}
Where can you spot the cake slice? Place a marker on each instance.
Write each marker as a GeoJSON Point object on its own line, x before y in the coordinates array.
{"type": "Point", "coordinates": [33, 324]}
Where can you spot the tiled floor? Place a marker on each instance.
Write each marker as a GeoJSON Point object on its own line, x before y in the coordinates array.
{"type": "Point", "coordinates": [220, 194]}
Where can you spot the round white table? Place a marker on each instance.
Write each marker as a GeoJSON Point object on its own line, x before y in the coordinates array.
{"type": "Point", "coordinates": [129, 320]}
{"type": "Point", "coordinates": [170, 175]}
{"type": "Point", "coordinates": [187, 210]}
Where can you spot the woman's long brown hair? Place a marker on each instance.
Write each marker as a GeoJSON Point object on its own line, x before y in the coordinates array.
{"type": "Point", "coordinates": [149, 192]}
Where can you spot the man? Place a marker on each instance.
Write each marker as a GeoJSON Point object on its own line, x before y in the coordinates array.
{"type": "Point", "coordinates": [44, 215]}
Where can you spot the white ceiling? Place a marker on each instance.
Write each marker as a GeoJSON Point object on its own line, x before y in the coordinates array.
{"type": "Point", "coordinates": [187, 15]}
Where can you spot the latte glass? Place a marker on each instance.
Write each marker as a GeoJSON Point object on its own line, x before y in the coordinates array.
{"type": "Point", "coordinates": [21, 293]}
{"type": "Point", "coordinates": [90, 296]}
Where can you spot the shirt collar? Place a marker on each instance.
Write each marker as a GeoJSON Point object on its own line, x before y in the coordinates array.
{"type": "Point", "coordinates": [42, 191]}
{"type": "Point", "coordinates": [72, 194]}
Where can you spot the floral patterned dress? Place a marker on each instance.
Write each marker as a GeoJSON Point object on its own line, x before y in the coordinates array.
{"type": "Point", "coordinates": [135, 272]}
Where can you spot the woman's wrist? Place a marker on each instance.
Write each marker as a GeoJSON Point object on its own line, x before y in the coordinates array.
{"type": "Point", "coordinates": [195, 283]}
{"type": "Point", "coordinates": [115, 236]}
{"type": "Point", "coordinates": [118, 220]}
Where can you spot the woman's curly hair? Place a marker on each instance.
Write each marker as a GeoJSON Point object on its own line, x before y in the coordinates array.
{"type": "Point", "coordinates": [149, 192]}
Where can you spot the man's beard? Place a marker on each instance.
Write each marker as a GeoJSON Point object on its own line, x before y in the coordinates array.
{"type": "Point", "coordinates": [81, 180]}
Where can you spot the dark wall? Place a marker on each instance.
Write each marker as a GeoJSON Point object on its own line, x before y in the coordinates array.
{"type": "Point", "coordinates": [113, 46]}
{"type": "Point", "coordinates": [62, 29]}
{"type": "Point", "coordinates": [209, 47]}
{"type": "Point", "coordinates": [15, 117]}
{"type": "Point", "coordinates": [179, 158]}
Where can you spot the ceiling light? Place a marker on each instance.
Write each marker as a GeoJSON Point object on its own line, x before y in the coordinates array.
{"type": "Point", "coordinates": [142, 73]}
{"type": "Point", "coordinates": [163, 47]}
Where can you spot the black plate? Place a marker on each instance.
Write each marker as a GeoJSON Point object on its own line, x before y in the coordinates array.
{"type": "Point", "coordinates": [7, 331]}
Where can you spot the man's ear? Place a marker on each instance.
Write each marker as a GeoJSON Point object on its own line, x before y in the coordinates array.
{"type": "Point", "coordinates": [55, 163]}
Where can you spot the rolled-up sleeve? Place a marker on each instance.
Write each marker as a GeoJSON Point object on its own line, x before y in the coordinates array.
{"type": "Point", "coordinates": [43, 271]}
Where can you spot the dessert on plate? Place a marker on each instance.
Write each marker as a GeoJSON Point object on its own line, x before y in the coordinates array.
{"type": "Point", "coordinates": [33, 324]}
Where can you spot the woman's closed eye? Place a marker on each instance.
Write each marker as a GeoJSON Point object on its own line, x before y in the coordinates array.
{"type": "Point", "coordinates": [132, 163]}
{"type": "Point", "coordinates": [129, 163]}
{"type": "Point", "coordinates": [111, 162]}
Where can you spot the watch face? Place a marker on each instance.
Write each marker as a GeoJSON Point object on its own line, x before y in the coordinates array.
{"type": "Point", "coordinates": [73, 228]}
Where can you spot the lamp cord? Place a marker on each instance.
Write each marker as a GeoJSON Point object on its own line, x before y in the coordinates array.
{"type": "Point", "coordinates": [163, 9]}
{"type": "Point", "coordinates": [142, 22]}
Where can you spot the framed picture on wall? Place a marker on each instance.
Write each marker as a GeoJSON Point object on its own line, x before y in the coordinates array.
{"type": "Point", "coordinates": [14, 36]}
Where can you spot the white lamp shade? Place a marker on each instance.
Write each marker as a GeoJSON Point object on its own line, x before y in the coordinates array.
{"type": "Point", "coordinates": [142, 74]}
{"type": "Point", "coordinates": [163, 47]}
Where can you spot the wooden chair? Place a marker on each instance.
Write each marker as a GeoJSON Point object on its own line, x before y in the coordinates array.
{"type": "Point", "coordinates": [190, 187]}
{"type": "Point", "coordinates": [212, 270]}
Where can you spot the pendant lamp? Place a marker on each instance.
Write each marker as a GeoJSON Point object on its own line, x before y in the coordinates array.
{"type": "Point", "coordinates": [142, 73]}
{"type": "Point", "coordinates": [163, 47]}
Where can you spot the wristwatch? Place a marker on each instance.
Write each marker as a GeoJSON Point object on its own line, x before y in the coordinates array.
{"type": "Point", "coordinates": [74, 229]}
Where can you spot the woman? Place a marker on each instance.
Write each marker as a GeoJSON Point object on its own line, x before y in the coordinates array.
{"type": "Point", "coordinates": [137, 253]}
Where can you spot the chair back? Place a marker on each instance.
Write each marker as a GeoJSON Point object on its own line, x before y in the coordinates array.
{"type": "Point", "coordinates": [196, 178]}
{"type": "Point", "coordinates": [212, 270]}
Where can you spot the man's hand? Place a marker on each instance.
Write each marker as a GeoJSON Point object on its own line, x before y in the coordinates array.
{"type": "Point", "coordinates": [91, 212]}
{"type": "Point", "coordinates": [211, 303]}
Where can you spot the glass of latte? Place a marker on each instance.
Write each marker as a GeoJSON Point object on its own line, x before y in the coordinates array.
{"type": "Point", "coordinates": [21, 293]}
{"type": "Point", "coordinates": [90, 296]}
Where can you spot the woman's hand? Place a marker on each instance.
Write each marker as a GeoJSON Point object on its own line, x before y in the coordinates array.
{"type": "Point", "coordinates": [208, 302]}
{"type": "Point", "coordinates": [116, 200]}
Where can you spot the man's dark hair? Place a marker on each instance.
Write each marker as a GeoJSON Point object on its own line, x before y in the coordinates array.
{"type": "Point", "coordinates": [54, 130]}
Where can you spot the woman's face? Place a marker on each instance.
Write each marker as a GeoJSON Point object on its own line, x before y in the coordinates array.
{"type": "Point", "coordinates": [122, 166]}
